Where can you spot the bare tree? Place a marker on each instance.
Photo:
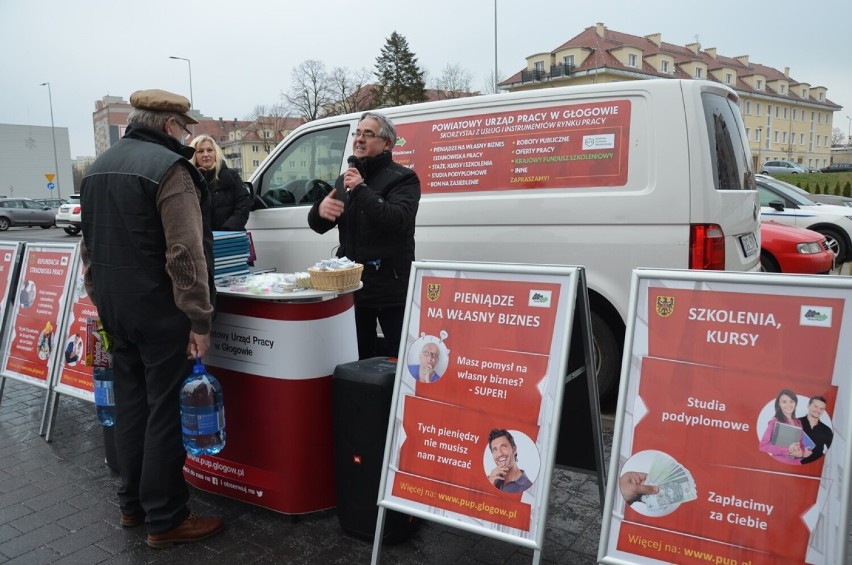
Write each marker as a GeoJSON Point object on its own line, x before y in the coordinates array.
{"type": "Point", "coordinates": [350, 91]}
{"type": "Point", "coordinates": [311, 90]}
{"type": "Point", "coordinates": [270, 123]}
{"type": "Point", "coordinates": [837, 137]}
{"type": "Point", "coordinates": [490, 86]}
{"type": "Point", "coordinates": [453, 82]}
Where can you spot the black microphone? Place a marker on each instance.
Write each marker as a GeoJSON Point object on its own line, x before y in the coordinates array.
{"type": "Point", "coordinates": [353, 162]}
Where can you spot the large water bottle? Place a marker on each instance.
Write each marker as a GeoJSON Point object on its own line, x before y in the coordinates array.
{"type": "Point", "coordinates": [202, 412]}
{"type": "Point", "coordinates": [104, 396]}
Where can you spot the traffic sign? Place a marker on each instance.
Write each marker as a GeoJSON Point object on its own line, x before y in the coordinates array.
{"type": "Point", "coordinates": [50, 185]}
{"type": "Point", "coordinates": [49, 177]}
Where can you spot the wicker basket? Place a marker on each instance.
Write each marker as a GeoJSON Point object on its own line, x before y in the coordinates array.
{"type": "Point", "coordinates": [341, 279]}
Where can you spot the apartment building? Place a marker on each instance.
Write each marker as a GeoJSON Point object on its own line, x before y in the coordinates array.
{"type": "Point", "coordinates": [245, 143]}
{"type": "Point", "coordinates": [784, 118]}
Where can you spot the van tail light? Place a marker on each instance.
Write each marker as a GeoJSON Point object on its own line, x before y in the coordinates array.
{"type": "Point", "coordinates": [76, 210]}
{"type": "Point", "coordinates": [706, 247]}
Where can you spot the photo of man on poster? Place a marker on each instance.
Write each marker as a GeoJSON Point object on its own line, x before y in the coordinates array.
{"type": "Point", "coordinates": [813, 426]}
{"type": "Point", "coordinates": [507, 476]}
{"type": "Point", "coordinates": [427, 359]}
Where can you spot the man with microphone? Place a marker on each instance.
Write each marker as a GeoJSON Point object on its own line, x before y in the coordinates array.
{"type": "Point", "coordinates": [374, 205]}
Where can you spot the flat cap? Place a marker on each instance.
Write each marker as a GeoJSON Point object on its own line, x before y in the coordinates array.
{"type": "Point", "coordinates": [162, 101]}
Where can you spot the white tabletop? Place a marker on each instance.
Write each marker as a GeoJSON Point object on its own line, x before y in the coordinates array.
{"type": "Point", "coordinates": [306, 295]}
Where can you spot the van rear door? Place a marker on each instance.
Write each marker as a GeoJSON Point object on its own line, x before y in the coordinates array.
{"type": "Point", "coordinates": [724, 207]}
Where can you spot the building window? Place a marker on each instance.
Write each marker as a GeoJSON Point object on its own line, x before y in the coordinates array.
{"type": "Point", "coordinates": [698, 74]}
{"type": "Point", "coordinates": [819, 118]}
{"type": "Point", "coordinates": [757, 108]}
{"type": "Point", "coordinates": [748, 107]}
{"type": "Point", "coordinates": [255, 148]}
{"type": "Point", "coordinates": [801, 139]}
{"type": "Point", "coordinates": [759, 84]}
{"type": "Point", "coordinates": [821, 96]}
{"type": "Point", "coordinates": [785, 113]}
{"type": "Point", "coordinates": [631, 60]}
{"type": "Point", "coordinates": [775, 137]}
{"type": "Point", "coordinates": [784, 137]}
{"type": "Point", "coordinates": [757, 135]}
{"type": "Point", "coordinates": [777, 111]}
{"type": "Point", "coordinates": [255, 163]}
{"type": "Point", "coordinates": [804, 93]}
{"type": "Point", "coordinates": [568, 60]}
{"type": "Point", "coordinates": [783, 89]}
{"type": "Point", "coordinates": [794, 113]}
{"type": "Point", "coordinates": [664, 66]}
{"type": "Point", "coordinates": [748, 131]}
{"type": "Point", "coordinates": [729, 78]}
{"type": "Point", "coordinates": [267, 134]}
{"type": "Point", "coordinates": [539, 66]}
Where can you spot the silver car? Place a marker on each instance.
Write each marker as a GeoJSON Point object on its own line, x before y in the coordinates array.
{"type": "Point", "coordinates": [782, 168]}
{"type": "Point", "coordinates": [24, 212]}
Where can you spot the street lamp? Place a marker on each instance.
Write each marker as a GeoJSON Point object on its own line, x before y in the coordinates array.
{"type": "Point", "coordinates": [496, 80]}
{"type": "Point", "coordinates": [848, 132]}
{"type": "Point", "coordinates": [188, 62]}
{"type": "Point", "coordinates": [53, 131]}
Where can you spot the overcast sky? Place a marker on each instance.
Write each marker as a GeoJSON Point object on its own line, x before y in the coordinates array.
{"type": "Point", "coordinates": [242, 52]}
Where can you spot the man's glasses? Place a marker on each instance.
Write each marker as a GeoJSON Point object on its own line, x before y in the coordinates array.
{"type": "Point", "coordinates": [367, 134]}
{"type": "Point", "coordinates": [183, 127]}
{"type": "Point", "coordinates": [431, 354]}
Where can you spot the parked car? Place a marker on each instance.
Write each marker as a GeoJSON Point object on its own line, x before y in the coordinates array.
{"type": "Point", "coordinates": [68, 216]}
{"type": "Point", "coordinates": [788, 249]}
{"type": "Point", "coordinates": [52, 203]}
{"type": "Point", "coordinates": [837, 168]}
{"type": "Point", "coordinates": [781, 167]}
{"type": "Point", "coordinates": [779, 203]}
{"type": "Point", "coordinates": [16, 212]}
{"type": "Point", "coordinates": [819, 198]}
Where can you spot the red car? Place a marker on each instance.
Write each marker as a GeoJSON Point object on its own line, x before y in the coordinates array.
{"type": "Point", "coordinates": [788, 249]}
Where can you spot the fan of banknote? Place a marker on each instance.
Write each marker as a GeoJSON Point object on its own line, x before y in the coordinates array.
{"type": "Point", "coordinates": [674, 481]}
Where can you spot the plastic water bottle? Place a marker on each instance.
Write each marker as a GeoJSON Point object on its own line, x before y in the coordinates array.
{"type": "Point", "coordinates": [202, 412]}
{"type": "Point", "coordinates": [104, 396]}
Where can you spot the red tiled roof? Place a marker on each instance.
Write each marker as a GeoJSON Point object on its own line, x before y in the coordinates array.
{"type": "Point", "coordinates": [601, 57]}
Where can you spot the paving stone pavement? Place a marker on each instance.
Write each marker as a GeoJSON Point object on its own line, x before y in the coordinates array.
{"type": "Point", "coordinates": [58, 506]}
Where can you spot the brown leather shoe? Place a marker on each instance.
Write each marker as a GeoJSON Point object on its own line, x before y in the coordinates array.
{"type": "Point", "coordinates": [132, 520]}
{"type": "Point", "coordinates": [194, 528]}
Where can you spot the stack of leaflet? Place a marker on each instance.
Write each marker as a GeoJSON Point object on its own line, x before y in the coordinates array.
{"type": "Point", "coordinates": [230, 254]}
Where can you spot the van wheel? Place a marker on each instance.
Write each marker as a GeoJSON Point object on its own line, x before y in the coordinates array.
{"type": "Point", "coordinates": [4, 224]}
{"type": "Point", "coordinates": [836, 243]}
{"type": "Point", "coordinates": [607, 357]}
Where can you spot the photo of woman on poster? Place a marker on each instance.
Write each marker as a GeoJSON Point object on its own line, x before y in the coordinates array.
{"type": "Point", "coordinates": [783, 435]}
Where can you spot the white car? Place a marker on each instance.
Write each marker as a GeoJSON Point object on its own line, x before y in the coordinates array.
{"type": "Point", "coordinates": [818, 198]}
{"type": "Point", "coordinates": [786, 206]}
{"type": "Point", "coordinates": [68, 216]}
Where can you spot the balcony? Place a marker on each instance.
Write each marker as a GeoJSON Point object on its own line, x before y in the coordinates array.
{"type": "Point", "coordinates": [556, 71]}
{"type": "Point", "coordinates": [563, 70]}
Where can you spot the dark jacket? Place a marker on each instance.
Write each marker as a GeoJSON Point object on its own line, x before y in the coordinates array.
{"type": "Point", "coordinates": [124, 234]}
{"type": "Point", "coordinates": [377, 229]}
{"type": "Point", "coordinates": [230, 200]}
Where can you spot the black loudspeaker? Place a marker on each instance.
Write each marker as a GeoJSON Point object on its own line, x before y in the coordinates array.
{"type": "Point", "coordinates": [362, 393]}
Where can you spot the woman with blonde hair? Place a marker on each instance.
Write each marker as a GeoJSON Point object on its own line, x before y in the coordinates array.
{"type": "Point", "coordinates": [230, 201]}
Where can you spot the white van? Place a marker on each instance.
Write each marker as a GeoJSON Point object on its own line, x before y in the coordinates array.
{"type": "Point", "coordinates": [648, 173]}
